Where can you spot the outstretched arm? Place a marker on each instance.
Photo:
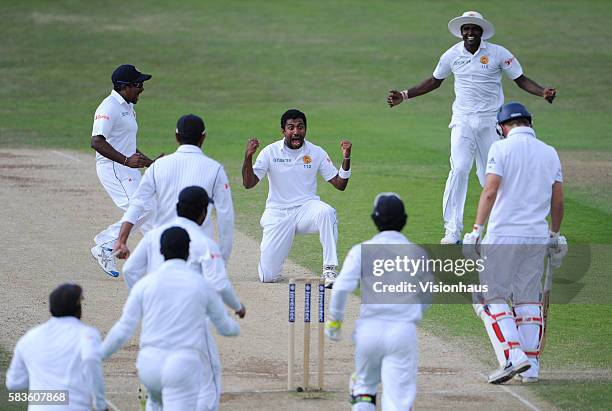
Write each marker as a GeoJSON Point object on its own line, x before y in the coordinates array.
{"type": "Point", "coordinates": [249, 179]}
{"type": "Point", "coordinates": [534, 88]}
{"type": "Point", "coordinates": [396, 97]}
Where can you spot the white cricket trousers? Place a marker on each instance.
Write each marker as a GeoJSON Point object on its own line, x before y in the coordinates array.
{"type": "Point", "coordinates": [281, 225]}
{"type": "Point", "coordinates": [120, 183]}
{"type": "Point", "coordinates": [390, 357]}
{"type": "Point", "coordinates": [174, 379]}
{"type": "Point", "coordinates": [471, 138]}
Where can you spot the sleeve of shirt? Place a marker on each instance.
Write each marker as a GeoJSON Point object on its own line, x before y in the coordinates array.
{"type": "Point", "coordinates": [559, 172]}
{"type": "Point", "coordinates": [326, 167]}
{"type": "Point", "coordinates": [510, 65]}
{"type": "Point", "coordinates": [218, 315]}
{"type": "Point", "coordinates": [346, 283]}
{"type": "Point", "coordinates": [222, 197]}
{"type": "Point", "coordinates": [444, 68]}
{"type": "Point", "coordinates": [91, 355]}
{"type": "Point", "coordinates": [495, 161]}
{"type": "Point", "coordinates": [127, 324]}
{"type": "Point", "coordinates": [103, 121]}
{"type": "Point", "coordinates": [262, 163]}
{"type": "Point", "coordinates": [213, 268]}
{"type": "Point", "coordinates": [144, 195]}
{"type": "Point", "coordinates": [17, 377]}
{"type": "Point", "coordinates": [135, 266]}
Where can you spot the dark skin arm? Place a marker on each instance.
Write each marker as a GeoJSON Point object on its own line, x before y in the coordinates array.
{"type": "Point", "coordinates": [395, 97]}
{"type": "Point", "coordinates": [249, 179]}
{"type": "Point", "coordinates": [100, 144]}
{"type": "Point", "coordinates": [534, 88]}
{"type": "Point", "coordinates": [339, 182]}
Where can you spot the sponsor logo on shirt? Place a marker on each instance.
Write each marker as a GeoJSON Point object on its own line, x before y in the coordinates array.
{"type": "Point", "coordinates": [491, 161]}
{"type": "Point", "coordinates": [102, 117]}
{"type": "Point", "coordinates": [307, 159]}
{"type": "Point", "coordinates": [281, 160]}
{"type": "Point", "coordinates": [484, 60]}
{"type": "Point", "coordinates": [460, 62]}
{"type": "Point", "coordinates": [125, 113]}
{"type": "Point", "coordinates": [509, 61]}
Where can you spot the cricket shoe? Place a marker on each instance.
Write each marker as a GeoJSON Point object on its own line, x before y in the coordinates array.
{"type": "Point", "coordinates": [506, 373]}
{"type": "Point", "coordinates": [329, 275]}
{"type": "Point", "coordinates": [105, 259]}
{"type": "Point", "coordinates": [451, 238]}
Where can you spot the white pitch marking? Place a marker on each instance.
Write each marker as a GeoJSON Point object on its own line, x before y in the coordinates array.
{"type": "Point", "coordinates": [59, 153]}
{"type": "Point", "coordinates": [111, 405]}
{"type": "Point", "coordinates": [516, 395]}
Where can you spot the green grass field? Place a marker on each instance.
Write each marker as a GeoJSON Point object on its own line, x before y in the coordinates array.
{"type": "Point", "coordinates": [241, 64]}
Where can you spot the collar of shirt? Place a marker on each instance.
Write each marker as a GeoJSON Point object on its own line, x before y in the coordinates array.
{"type": "Point", "coordinates": [390, 234]}
{"type": "Point", "coordinates": [119, 98]}
{"type": "Point", "coordinates": [182, 221]}
{"type": "Point", "coordinates": [483, 45]}
{"type": "Point", "coordinates": [521, 130]}
{"type": "Point", "coordinates": [189, 148]}
{"type": "Point", "coordinates": [66, 320]}
{"type": "Point", "coordinates": [174, 263]}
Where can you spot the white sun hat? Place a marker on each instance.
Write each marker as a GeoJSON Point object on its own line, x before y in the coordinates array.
{"type": "Point", "coordinates": [471, 17]}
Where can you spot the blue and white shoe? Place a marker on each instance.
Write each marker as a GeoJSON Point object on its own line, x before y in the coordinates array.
{"type": "Point", "coordinates": [451, 238]}
{"type": "Point", "coordinates": [105, 259]}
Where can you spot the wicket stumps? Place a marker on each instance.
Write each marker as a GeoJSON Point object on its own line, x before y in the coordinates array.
{"type": "Point", "coordinates": [307, 281]}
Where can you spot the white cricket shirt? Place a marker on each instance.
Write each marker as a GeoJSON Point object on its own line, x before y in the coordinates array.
{"type": "Point", "coordinates": [169, 175]}
{"type": "Point", "coordinates": [478, 87]}
{"type": "Point", "coordinates": [528, 168]}
{"type": "Point", "coordinates": [60, 354]}
{"type": "Point", "coordinates": [115, 119]}
{"type": "Point", "coordinates": [204, 257]}
{"type": "Point", "coordinates": [173, 303]}
{"type": "Point", "coordinates": [292, 174]}
{"type": "Point", "coordinates": [349, 278]}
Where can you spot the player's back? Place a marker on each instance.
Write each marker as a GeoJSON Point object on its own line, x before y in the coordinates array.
{"type": "Point", "coordinates": [529, 168]}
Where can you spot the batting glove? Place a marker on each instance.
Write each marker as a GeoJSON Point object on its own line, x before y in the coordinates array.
{"type": "Point", "coordinates": [471, 243]}
{"type": "Point", "coordinates": [558, 250]}
{"type": "Point", "coordinates": [333, 329]}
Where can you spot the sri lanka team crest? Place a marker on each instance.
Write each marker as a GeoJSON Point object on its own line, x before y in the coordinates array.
{"type": "Point", "coordinates": [307, 160]}
{"type": "Point", "coordinates": [484, 60]}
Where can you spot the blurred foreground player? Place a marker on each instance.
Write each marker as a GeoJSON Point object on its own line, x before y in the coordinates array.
{"type": "Point", "coordinates": [61, 354]}
{"type": "Point", "coordinates": [390, 357]}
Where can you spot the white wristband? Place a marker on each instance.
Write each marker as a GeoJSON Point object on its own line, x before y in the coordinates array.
{"type": "Point", "coordinates": [404, 94]}
{"type": "Point", "coordinates": [345, 174]}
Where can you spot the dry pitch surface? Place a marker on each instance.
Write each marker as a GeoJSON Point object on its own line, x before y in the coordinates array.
{"type": "Point", "coordinates": [53, 204]}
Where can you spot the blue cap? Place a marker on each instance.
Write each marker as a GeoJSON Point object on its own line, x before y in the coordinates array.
{"type": "Point", "coordinates": [128, 74]}
{"type": "Point", "coordinates": [190, 126]}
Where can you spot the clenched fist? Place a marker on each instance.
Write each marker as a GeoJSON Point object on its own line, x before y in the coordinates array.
{"type": "Point", "coordinates": [346, 146]}
{"type": "Point", "coordinates": [251, 147]}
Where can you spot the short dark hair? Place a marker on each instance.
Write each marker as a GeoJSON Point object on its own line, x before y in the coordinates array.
{"type": "Point", "coordinates": [389, 212]}
{"type": "Point", "coordinates": [174, 243]}
{"type": "Point", "coordinates": [192, 202]}
{"type": "Point", "coordinates": [292, 114]}
{"type": "Point", "coordinates": [516, 122]}
{"type": "Point", "coordinates": [65, 301]}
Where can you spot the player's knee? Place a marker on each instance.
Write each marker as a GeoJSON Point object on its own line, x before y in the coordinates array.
{"type": "Point", "coordinates": [327, 212]}
{"type": "Point", "coordinates": [461, 168]}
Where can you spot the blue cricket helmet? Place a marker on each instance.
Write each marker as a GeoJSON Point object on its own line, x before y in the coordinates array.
{"type": "Point", "coordinates": [512, 110]}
